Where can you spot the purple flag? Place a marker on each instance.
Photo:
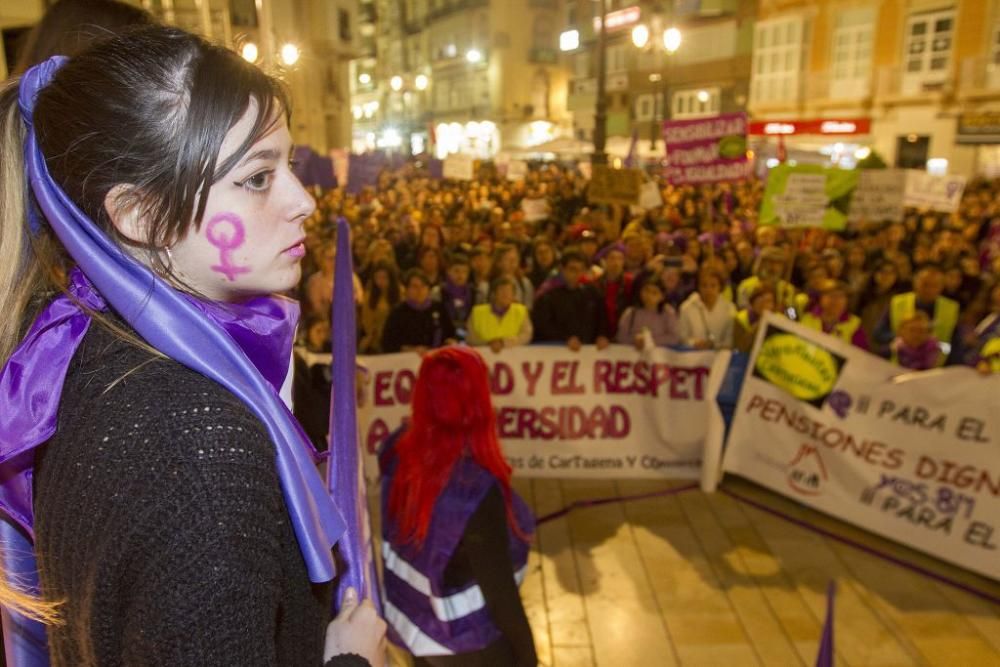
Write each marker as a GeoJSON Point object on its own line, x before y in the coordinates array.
{"type": "Point", "coordinates": [344, 471]}
{"type": "Point", "coordinates": [630, 159]}
{"type": "Point", "coordinates": [825, 656]}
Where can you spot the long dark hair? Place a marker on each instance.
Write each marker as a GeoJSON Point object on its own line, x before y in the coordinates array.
{"type": "Point", "coordinates": [393, 294]}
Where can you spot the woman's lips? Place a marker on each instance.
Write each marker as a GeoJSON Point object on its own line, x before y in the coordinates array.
{"type": "Point", "coordinates": [297, 250]}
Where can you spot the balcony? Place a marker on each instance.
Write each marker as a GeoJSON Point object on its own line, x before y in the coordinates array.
{"type": "Point", "coordinates": [543, 56]}
{"type": "Point", "coordinates": [454, 6]}
{"type": "Point", "coordinates": [893, 85]}
{"type": "Point", "coordinates": [367, 13]}
{"type": "Point", "coordinates": [824, 91]}
{"type": "Point", "coordinates": [979, 77]}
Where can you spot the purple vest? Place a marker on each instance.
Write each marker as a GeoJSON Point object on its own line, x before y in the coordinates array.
{"type": "Point", "coordinates": [425, 616]}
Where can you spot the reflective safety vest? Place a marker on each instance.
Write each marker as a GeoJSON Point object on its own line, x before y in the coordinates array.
{"type": "Point", "coordinates": [424, 615]}
{"type": "Point", "coordinates": [487, 326]}
{"type": "Point", "coordinates": [843, 330]}
{"type": "Point", "coordinates": [990, 353]}
{"type": "Point", "coordinates": [903, 306]}
{"type": "Point", "coordinates": [785, 293]}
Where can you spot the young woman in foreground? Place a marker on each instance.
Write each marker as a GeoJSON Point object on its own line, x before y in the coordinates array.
{"type": "Point", "coordinates": [455, 535]}
{"type": "Point", "coordinates": [177, 516]}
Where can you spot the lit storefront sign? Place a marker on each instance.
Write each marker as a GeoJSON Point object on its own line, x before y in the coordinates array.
{"type": "Point", "coordinates": [618, 19]}
{"type": "Point", "coordinates": [827, 126]}
{"type": "Point", "coordinates": [480, 139]}
{"type": "Point", "coordinates": [981, 127]}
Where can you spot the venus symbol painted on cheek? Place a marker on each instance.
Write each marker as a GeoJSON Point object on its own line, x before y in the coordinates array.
{"type": "Point", "coordinates": [225, 231]}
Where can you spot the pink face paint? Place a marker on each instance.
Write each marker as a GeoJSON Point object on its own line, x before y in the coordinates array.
{"type": "Point", "coordinates": [225, 231]}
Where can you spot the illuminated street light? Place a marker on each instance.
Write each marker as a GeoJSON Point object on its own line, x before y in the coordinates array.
{"type": "Point", "coordinates": [473, 55]}
{"type": "Point", "coordinates": [396, 83]}
{"type": "Point", "coordinates": [569, 40]}
{"type": "Point", "coordinates": [290, 54]}
{"type": "Point", "coordinates": [703, 96]}
{"type": "Point", "coordinates": [640, 35]}
{"type": "Point", "coordinates": [671, 39]}
{"type": "Point", "coordinates": [249, 52]}
{"type": "Point", "coordinates": [364, 78]}
{"type": "Point", "coordinates": [421, 82]}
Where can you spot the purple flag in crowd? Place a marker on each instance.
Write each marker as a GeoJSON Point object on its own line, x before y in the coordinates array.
{"type": "Point", "coordinates": [825, 656]}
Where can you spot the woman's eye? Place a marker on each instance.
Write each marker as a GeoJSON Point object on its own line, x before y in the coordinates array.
{"type": "Point", "coordinates": [259, 182]}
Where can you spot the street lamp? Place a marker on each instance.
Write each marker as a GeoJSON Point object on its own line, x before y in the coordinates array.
{"type": "Point", "coordinates": [473, 55]}
{"type": "Point", "coordinates": [396, 83]}
{"type": "Point", "coordinates": [249, 52]}
{"type": "Point", "coordinates": [640, 36]}
{"type": "Point", "coordinates": [668, 41]}
{"type": "Point", "coordinates": [364, 78]}
{"type": "Point", "coordinates": [671, 39]}
{"type": "Point", "coordinates": [421, 82]}
{"type": "Point", "coordinates": [290, 54]}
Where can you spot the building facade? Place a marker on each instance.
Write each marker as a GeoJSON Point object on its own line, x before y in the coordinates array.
{"type": "Point", "coordinates": [472, 76]}
{"type": "Point", "coordinates": [307, 43]}
{"type": "Point", "coordinates": [706, 75]}
{"type": "Point", "coordinates": [918, 81]}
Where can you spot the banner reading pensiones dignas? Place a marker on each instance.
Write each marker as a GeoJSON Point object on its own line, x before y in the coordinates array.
{"type": "Point", "coordinates": [706, 150]}
{"type": "Point", "coordinates": [615, 413]}
{"type": "Point", "coordinates": [915, 458]}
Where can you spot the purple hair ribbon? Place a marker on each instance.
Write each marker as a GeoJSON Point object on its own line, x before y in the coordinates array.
{"type": "Point", "coordinates": [344, 473]}
{"type": "Point", "coordinates": [173, 324]}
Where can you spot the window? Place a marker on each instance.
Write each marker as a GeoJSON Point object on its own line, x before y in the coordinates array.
{"type": "Point", "coordinates": [344, 24]}
{"type": "Point", "coordinates": [927, 51]}
{"type": "Point", "coordinates": [993, 65]}
{"type": "Point", "coordinates": [707, 43]}
{"type": "Point", "coordinates": [850, 73]}
{"type": "Point", "coordinates": [616, 59]}
{"type": "Point", "coordinates": [777, 60]}
{"type": "Point", "coordinates": [695, 103]}
{"type": "Point", "coordinates": [542, 33]}
{"type": "Point", "coordinates": [242, 13]}
{"type": "Point", "coordinates": [581, 65]}
{"type": "Point", "coordinates": [648, 106]}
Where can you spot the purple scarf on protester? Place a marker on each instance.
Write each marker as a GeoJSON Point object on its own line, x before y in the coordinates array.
{"type": "Point", "coordinates": [221, 341]}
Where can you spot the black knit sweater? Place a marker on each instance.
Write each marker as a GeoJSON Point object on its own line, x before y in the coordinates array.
{"type": "Point", "coordinates": [161, 524]}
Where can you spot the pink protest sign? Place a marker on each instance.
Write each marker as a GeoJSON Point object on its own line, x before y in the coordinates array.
{"type": "Point", "coordinates": [706, 150]}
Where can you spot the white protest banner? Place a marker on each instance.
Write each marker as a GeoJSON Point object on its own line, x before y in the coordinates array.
{"type": "Point", "coordinates": [517, 170]}
{"type": "Point", "coordinates": [459, 167]}
{"type": "Point", "coordinates": [804, 201]}
{"type": "Point", "coordinates": [535, 209]}
{"type": "Point", "coordinates": [937, 193]}
{"type": "Point", "coordinates": [650, 196]}
{"type": "Point", "coordinates": [910, 457]}
{"type": "Point", "coordinates": [878, 196]}
{"type": "Point", "coordinates": [615, 413]}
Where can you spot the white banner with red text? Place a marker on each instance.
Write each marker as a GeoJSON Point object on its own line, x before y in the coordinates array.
{"type": "Point", "coordinates": [912, 457]}
{"type": "Point", "coordinates": [594, 413]}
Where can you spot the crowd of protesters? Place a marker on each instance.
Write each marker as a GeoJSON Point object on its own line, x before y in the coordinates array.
{"type": "Point", "coordinates": [499, 263]}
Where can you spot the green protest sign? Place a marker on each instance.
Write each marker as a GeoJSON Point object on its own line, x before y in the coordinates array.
{"type": "Point", "coordinates": [808, 196]}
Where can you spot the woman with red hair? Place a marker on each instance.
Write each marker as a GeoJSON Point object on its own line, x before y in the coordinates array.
{"type": "Point", "coordinates": [455, 535]}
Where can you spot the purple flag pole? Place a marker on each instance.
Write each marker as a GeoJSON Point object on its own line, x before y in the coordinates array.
{"type": "Point", "coordinates": [344, 472]}
{"type": "Point", "coordinates": [825, 656]}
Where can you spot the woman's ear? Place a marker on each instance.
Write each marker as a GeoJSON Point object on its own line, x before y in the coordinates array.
{"type": "Point", "coordinates": [122, 206]}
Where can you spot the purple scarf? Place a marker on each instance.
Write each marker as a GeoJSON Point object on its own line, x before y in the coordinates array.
{"type": "Point", "coordinates": [212, 340]}
{"type": "Point", "coordinates": [32, 380]}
